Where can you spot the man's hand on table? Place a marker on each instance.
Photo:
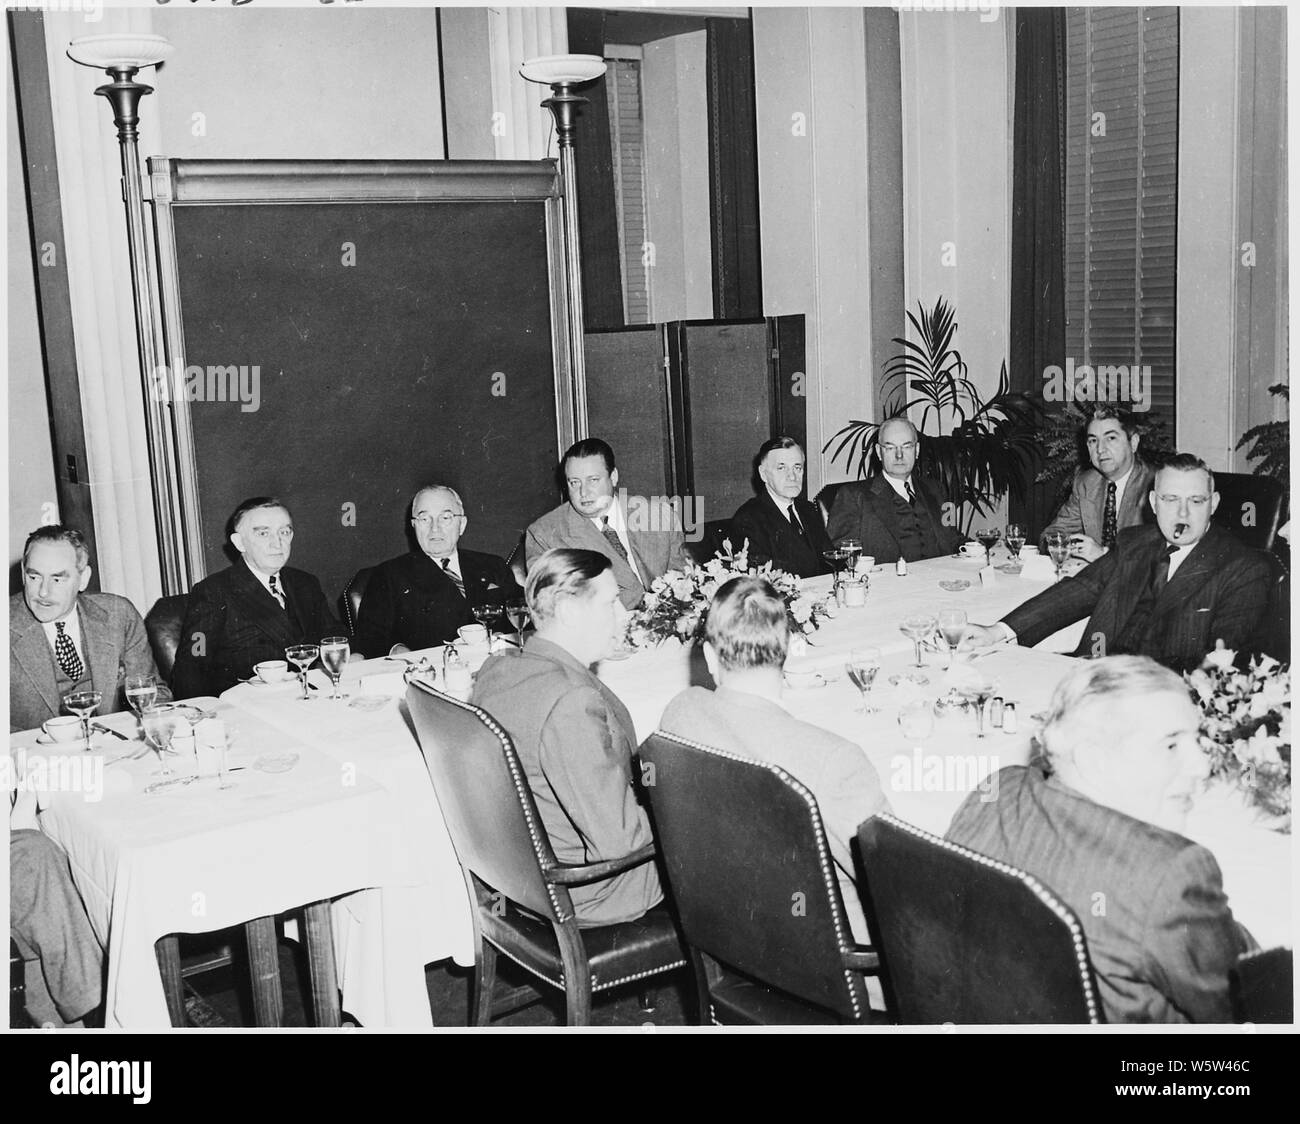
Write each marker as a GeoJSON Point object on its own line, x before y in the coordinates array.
{"type": "Point", "coordinates": [1086, 548]}
{"type": "Point", "coordinates": [984, 636]}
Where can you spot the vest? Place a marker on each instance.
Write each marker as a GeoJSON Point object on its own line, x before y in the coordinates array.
{"type": "Point", "coordinates": [917, 537]}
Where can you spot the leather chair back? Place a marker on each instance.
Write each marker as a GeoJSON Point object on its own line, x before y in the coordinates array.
{"type": "Point", "coordinates": [711, 535]}
{"type": "Point", "coordinates": [163, 627]}
{"type": "Point", "coordinates": [826, 500]}
{"type": "Point", "coordinates": [968, 940]}
{"type": "Point", "coordinates": [486, 802]}
{"type": "Point", "coordinates": [1249, 507]}
{"type": "Point", "coordinates": [750, 872]}
{"type": "Point", "coordinates": [518, 565]}
{"type": "Point", "coordinates": [1262, 987]}
{"type": "Point", "coordinates": [353, 592]}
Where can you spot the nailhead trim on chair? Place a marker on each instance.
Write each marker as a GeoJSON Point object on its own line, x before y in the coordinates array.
{"type": "Point", "coordinates": [601, 987]}
{"type": "Point", "coordinates": [823, 852]}
{"type": "Point", "coordinates": [1041, 892]}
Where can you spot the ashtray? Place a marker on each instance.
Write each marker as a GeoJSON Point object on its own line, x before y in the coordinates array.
{"type": "Point", "coordinates": [909, 677]}
{"type": "Point", "coordinates": [369, 703]}
{"type": "Point", "coordinates": [955, 586]}
{"type": "Point", "coordinates": [276, 762]}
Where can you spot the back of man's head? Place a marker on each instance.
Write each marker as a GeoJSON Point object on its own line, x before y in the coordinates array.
{"type": "Point", "coordinates": [561, 572]}
{"type": "Point", "coordinates": [748, 626]}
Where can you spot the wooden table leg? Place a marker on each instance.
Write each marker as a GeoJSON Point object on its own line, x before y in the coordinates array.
{"type": "Point", "coordinates": [168, 951]}
{"type": "Point", "coordinates": [319, 936]}
{"type": "Point", "coordinates": [264, 969]}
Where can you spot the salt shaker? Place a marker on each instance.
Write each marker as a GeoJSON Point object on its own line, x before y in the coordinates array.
{"type": "Point", "coordinates": [900, 567]}
{"type": "Point", "coordinates": [1009, 722]}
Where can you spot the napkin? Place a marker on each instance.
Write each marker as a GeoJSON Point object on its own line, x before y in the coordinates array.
{"type": "Point", "coordinates": [1037, 567]}
{"type": "Point", "coordinates": [384, 683]}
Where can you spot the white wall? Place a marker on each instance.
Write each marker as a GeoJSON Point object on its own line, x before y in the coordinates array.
{"type": "Point", "coordinates": [674, 108]}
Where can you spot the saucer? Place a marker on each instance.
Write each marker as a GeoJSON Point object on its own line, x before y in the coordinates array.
{"type": "Point", "coordinates": [276, 762]}
{"type": "Point", "coordinates": [955, 586]}
{"type": "Point", "coordinates": [817, 680]}
{"type": "Point", "coordinates": [370, 703]}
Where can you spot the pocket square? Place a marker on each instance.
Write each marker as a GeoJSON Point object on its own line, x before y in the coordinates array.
{"type": "Point", "coordinates": [1206, 609]}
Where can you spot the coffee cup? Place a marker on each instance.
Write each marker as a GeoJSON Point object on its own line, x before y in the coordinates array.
{"type": "Point", "coordinates": [65, 728]}
{"type": "Point", "coordinates": [472, 634]}
{"type": "Point", "coordinates": [971, 549]}
{"type": "Point", "coordinates": [866, 563]}
{"type": "Point", "coordinates": [272, 671]}
{"type": "Point", "coordinates": [802, 679]}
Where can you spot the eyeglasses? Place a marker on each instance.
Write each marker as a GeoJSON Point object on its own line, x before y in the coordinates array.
{"type": "Point", "coordinates": [904, 448]}
{"type": "Point", "coordinates": [446, 519]}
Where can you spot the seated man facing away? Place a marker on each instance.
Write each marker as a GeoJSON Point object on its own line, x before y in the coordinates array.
{"type": "Point", "coordinates": [62, 639]}
{"type": "Point", "coordinates": [1112, 493]}
{"type": "Point", "coordinates": [641, 538]}
{"type": "Point", "coordinates": [1168, 591]}
{"type": "Point", "coordinates": [747, 635]}
{"type": "Point", "coordinates": [422, 597]}
{"type": "Point", "coordinates": [574, 738]}
{"type": "Point", "coordinates": [778, 523]}
{"type": "Point", "coordinates": [896, 513]}
{"type": "Point", "coordinates": [63, 961]}
{"type": "Point", "coordinates": [1100, 830]}
{"type": "Point", "coordinates": [252, 610]}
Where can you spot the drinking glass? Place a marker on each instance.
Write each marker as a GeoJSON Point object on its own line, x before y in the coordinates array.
{"type": "Point", "coordinates": [334, 654]}
{"type": "Point", "coordinates": [141, 692]}
{"type": "Point", "coordinates": [852, 551]}
{"type": "Point", "coordinates": [1014, 537]}
{"type": "Point", "coordinates": [486, 614]}
{"type": "Point", "coordinates": [952, 625]}
{"type": "Point", "coordinates": [159, 724]}
{"type": "Point", "coordinates": [518, 615]}
{"type": "Point", "coordinates": [1058, 549]}
{"type": "Point", "coordinates": [82, 704]}
{"type": "Point", "coordinates": [456, 678]}
{"type": "Point", "coordinates": [919, 626]}
{"type": "Point", "coordinates": [302, 656]}
{"type": "Point", "coordinates": [916, 720]}
{"type": "Point", "coordinates": [988, 537]}
{"type": "Point", "coordinates": [978, 698]}
{"type": "Point", "coordinates": [863, 666]}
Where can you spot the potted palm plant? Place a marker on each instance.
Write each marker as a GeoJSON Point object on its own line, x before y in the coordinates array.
{"type": "Point", "coordinates": [990, 447]}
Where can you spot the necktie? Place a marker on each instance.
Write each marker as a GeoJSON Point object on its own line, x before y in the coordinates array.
{"type": "Point", "coordinates": [66, 652]}
{"type": "Point", "coordinates": [1109, 522]}
{"type": "Point", "coordinates": [911, 493]}
{"type": "Point", "coordinates": [612, 538]}
{"type": "Point", "coordinates": [794, 522]}
{"type": "Point", "coordinates": [455, 577]}
{"type": "Point", "coordinates": [274, 582]}
{"type": "Point", "coordinates": [1160, 571]}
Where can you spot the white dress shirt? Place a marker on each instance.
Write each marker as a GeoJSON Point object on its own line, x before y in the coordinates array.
{"type": "Point", "coordinates": [618, 522]}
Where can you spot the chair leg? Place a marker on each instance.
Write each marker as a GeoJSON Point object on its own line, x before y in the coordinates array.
{"type": "Point", "coordinates": [647, 998]}
{"type": "Point", "coordinates": [168, 951]}
{"type": "Point", "coordinates": [485, 978]}
{"type": "Point", "coordinates": [705, 1010]}
{"type": "Point", "coordinates": [264, 969]}
{"type": "Point", "coordinates": [319, 935]}
{"type": "Point", "coordinates": [577, 974]}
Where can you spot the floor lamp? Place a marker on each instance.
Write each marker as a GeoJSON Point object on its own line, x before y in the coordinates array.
{"type": "Point", "coordinates": [122, 56]}
{"type": "Point", "coordinates": [562, 73]}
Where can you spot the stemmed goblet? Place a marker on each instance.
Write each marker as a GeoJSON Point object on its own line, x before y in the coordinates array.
{"type": "Point", "coordinates": [82, 704]}
{"type": "Point", "coordinates": [1014, 537]}
{"type": "Point", "coordinates": [486, 614]}
{"type": "Point", "coordinates": [302, 656]}
{"type": "Point", "coordinates": [1058, 549]}
{"type": "Point", "coordinates": [952, 625]}
{"type": "Point", "coordinates": [517, 613]}
{"type": "Point", "coordinates": [334, 654]}
{"type": "Point", "coordinates": [159, 723]}
{"type": "Point", "coordinates": [863, 667]}
{"type": "Point", "coordinates": [919, 626]}
{"type": "Point", "coordinates": [988, 537]}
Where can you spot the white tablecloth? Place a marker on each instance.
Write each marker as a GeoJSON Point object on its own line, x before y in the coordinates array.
{"type": "Point", "coordinates": [195, 858]}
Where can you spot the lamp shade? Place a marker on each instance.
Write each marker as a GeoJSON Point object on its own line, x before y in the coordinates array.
{"type": "Point", "coordinates": [119, 52]}
{"type": "Point", "coordinates": [552, 70]}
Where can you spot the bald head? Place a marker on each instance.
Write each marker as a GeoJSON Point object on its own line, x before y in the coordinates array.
{"type": "Point", "coordinates": [898, 442]}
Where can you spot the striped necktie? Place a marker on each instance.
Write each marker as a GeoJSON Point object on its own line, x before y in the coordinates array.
{"type": "Point", "coordinates": [274, 582]}
{"type": "Point", "coordinates": [66, 653]}
{"type": "Point", "coordinates": [612, 538]}
{"type": "Point", "coordinates": [911, 492]}
{"type": "Point", "coordinates": [455, 577]}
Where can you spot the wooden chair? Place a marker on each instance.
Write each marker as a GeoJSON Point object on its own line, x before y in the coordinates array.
{"type": "Point", "coordinates": [826, 499]}
{"type": "Point", "coordinates": [1249, 507]}
{"type": "Point", "coordinates": [163, 627]}
{"type": "Point", "coordinates": [969, 940]}
{"type": "Point", "coordinates": [516, 562]}
{"type": "Point", "coordinates": [1261, 987]}
{"type": "Point", "coordinates": [518, 889]}
{"type": "Point", "coordinates": [353, 592]}
{"type": "Point", "coordinates": [753, 882]}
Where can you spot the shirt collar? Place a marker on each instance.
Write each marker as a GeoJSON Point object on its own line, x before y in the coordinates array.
{"type": "Point", "coordinates": [263, 579]}
{"type": "Point", "coordinates": [899, 486]}
{"type": "Point", "coordinates": [783, 505]}
{"type": "Point", "coordinates": [614, 514]}
{"type": "Point", "coordinates": [71, 621]}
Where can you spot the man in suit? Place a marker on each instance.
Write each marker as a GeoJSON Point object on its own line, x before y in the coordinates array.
{"type": "Point", "coordinates": [1112, 493]}
{"type": "Point", "coordinates": [747, 636]}
{"type": "Point", "coordinates": [1101, 828]}
{"type": "Point", "coordinates": [574, 737]}
{"type": "Point", "coordinates": [252, 610]}
{"type": "Point", "coordinates": [1168, 591]}
{"type": "Point", "coordinates": [641, 538]}
{"type": "Point", "coordinates": [422, 597]}
{"type": "Point", "coordinates": [895, 513]}
{"type": "Point", "coordinates": [62, 639]}
{"type": "Point", "coordinates": [779, 524]}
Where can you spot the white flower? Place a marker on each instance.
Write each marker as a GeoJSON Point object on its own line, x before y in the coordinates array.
{"type": "Point", "coordinates": [650, 603]}
{"type": "Point", "coordinates": [1221, 657]}
{"type": "Point", "coordinates": [798, 647]}
{"type": "Point", "coordinates": [683, 590]}
{"type": "Point", "coordinates": [1200, 683]}
{"type": "Point", "coordinates": [708, 589]}
{"type": "Point", "coordinates": [1261, 749]}
{"type": "Point", "coordinates": [801, 608]}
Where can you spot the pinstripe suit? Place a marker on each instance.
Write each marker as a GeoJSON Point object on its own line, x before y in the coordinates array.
{"type": "Point", "coordinates": [1219, 592]}
{"type": "Point", "coordinates": [1160, 933]}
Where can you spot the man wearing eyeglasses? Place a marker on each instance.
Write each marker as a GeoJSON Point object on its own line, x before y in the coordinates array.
{"type": "Point", "coordinates": [896, 514]}
{"type": "Point", "coordinates": [422, 597]}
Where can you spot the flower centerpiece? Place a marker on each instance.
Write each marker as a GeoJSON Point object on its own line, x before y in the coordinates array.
{"type": "Point", "coordinates": [1246, 726]}
{"type": "Point", "coordinates": [676, 603]}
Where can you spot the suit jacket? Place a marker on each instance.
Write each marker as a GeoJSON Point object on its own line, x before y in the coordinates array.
{"type": "Point", "coordinates": [653, 528]}
{"type": "Point", "coordinates": [1084, 512]}
{"type": "Point", "coordinates": [866, 510]}
{"type": "Point", "coordinates": [835, 770]}
{"type": "Point", "coordinates": [770, 534]}
{"type": "Point", "coordinates": [410, 600]}
{"type": "Point", "coordinates": [1220, 591]}
{"type": "Point", "coordinates": [575, 741]}
{"type": "Point", "coordinates": [114, 644]}
{"type": "Point", "coordinates": [1162, 946]}
{"type": "Point", "coordinates": [232, 622]}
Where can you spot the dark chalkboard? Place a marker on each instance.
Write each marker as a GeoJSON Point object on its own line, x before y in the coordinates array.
{"type": "Point", "coordinates": [398, 340]}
